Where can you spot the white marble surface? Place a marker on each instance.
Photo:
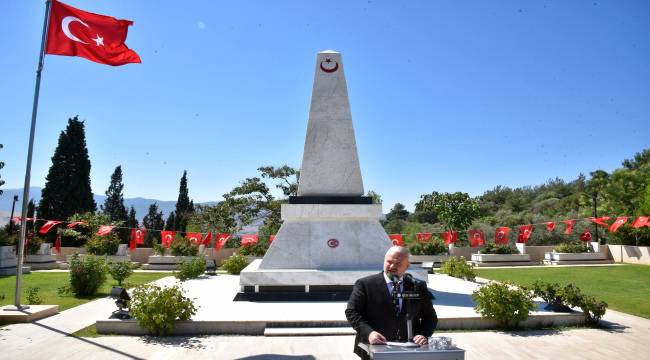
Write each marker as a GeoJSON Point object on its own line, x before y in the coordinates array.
{"type": "Point", "coordinates": [340, 211]}
{"type": "Point", "coordinates": [500, 257]}
{"type": "Point", "coordinates": [330, 163]}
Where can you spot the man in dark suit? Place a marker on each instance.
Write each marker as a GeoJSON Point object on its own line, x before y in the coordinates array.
{"type": "Point", "coordinates": [376, 312]}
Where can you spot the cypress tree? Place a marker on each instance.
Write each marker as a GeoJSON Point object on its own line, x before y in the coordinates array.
{"type": "Point", "coordinates": [132, 222]}
{"type": "Point", "coordinates": [171, 222]}
{"type": "Point", "coordinates": [114, 203]}
{"type": "Point", "coordinates": [67, 185]}
{"type": "Point", "coordinates": [153, 222]}
{"type": "Point", "coordinates": [184, 207]}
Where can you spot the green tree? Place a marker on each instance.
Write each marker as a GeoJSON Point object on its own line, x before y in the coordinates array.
{"type": "Point", "coordinates": [398, 212]}
{"type": "Point", "coordinates": [184, 206]}
{"type": "Point", "coordinates": [639, 160]}
{"type": "Point", "coordinates": [376, 198]}
{"type": "Point", "coordinates": [132, 221]}
{"type": "Point", "coordinates": [114, 203]}
{"type": "Point", "coordinates": [456, 211]}
{"type": "Point", "coordinates": [170, 223]}
{"type": "Point", "coordinates": [287, 175]}
{"type": "Point", "coordinates": [67, 185]}
{"type": "Point", "coordinates": [153, 222]}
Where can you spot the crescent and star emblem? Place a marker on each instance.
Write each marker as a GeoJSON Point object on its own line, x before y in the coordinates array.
{"type": "Point", "coordinates": [329, 61]}
{"type": "Point", "coordinates": [332, 243]}
{"type": "Point", "coordinates": [65, 26]}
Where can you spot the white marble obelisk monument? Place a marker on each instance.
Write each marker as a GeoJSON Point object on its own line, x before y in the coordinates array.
{"type": "Point", "coordinates": [331, 234]}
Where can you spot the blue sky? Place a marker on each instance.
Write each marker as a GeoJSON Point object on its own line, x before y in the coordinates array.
{"type": "Point", "coordinates": [445, 95]}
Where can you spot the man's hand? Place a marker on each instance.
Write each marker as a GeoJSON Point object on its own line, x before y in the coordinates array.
{"type": "Point", "coordinates": [420, 340]}
{"type": "Point", "coordinates": [376, 338]}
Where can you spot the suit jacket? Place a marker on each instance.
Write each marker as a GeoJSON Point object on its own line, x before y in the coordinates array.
{"type": "Point", "coordinates": [370, 308]}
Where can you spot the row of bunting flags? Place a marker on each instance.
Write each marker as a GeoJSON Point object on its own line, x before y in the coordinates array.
{"type": "Point", "coordinates": [476, 237]}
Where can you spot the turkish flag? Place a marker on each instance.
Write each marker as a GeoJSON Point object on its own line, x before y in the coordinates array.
{"type": "Point", "coordinates": [618, 223]}
{"type": "Point", "coordinates": [476, 238]}
{"type": "Point", "coordinates": [271, 238]}
{"type": "Point", "coordinates": [98, 38]}
{"type": "Point", "coordinates": [641, 221]}
{"type": "Point", "coordinates": [139, 236]}
{"type": "Point", "coordinates": [207, 239]}
{"type": "Point", "coordinates": [105, 230]}
{"type": "Point", "coordinates": [501, 235]}
{"type": "Point", "coordinates": [569, 226]}
{"type": "Point", "coordinates": [18, 219]}
{"type": "Point", "coordinates": [600, 220]}
{"type": "Point", "coordinates": [450, 237]}
{"type": "Point", "coordinates": [423, 238]}
{"type": "Point", "coordinates": [57, 244]}
{"type": "Point", "coordinates": [524, 233]}
{"type": "Point", "coordinates": [221, 241]}
{"type": "Point", "coordinates": [132, 244]}
{"type": "Point", "coordinates": [48, 225]}
{"type": "Point", "coordinates": [194, 237]}
{"type": "Point", "coordinates": [248, 240]}
{"type": "Point", "coordinates": [166, 238]}
{"type": "Point", "coordinates": [397, 239]}
{"type": "Point", "coordinates": [75, 223]}
{"type": "Point", "coordinates": [550, 226]}
{"type": "Point", "coordinates": [586, 236]}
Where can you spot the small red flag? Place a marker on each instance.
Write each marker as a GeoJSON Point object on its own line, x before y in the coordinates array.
{"type": "Point", "coordinates": [248, 240]}
{"type": "Point", "coordinates": [139, 236]}
{"type": "Point", "coordinates": [18, 219]}
{"type": "Point", "coordinates": [600, 220]}
{"type": "Point", "coordinates": [194, 237]}
{"type": "Point", "coordinates": [105, 230]}
{"type": "Point", "coordinates": [501, 235]}
{"type": "Point", "coordinates": [98, 38]}
{"type": "Point", "coordinates": [166, 238]}
{"type": "Point", "coordinates": [57, 243]}
{"type": "Point", "coordinates": [524, 233]}
{"type": "Point", "coordinates": [271, 238]}
{"type": "Point", "coordinates": [586, 236]}
{"type": "Point", "coordinates": [75, 223]}
{"type": "Point", "coordinates": [221, 241]}
{"type": "Point", "coordinates": [397, 239]}
{"type": "Point", "coordinates": [207, 239]}
{"type": "Point", "coordinates": [476, 238]}
{"type": "Point", "coordinates": [423, 238]}
{"type": "Point", "coordinates": [48, 225]}
{"type": "Point", "coordinates": [641, 221]}
{"type": "Point", "coordinates": [450, 237]}
{"type": "Point", "coordinates": [550, 226]}
{"type": "Point", "coordinates": [569, 226]}
{"type": "Point", "coordinates": [618, 223]}
{"type": "Point", "coordinates": [132, 245]}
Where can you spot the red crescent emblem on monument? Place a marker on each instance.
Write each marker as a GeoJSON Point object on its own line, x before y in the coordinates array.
{"type": "Point", "coordinates": [332, 243]}
{"type": "Point", "coordinates": [336, 66]}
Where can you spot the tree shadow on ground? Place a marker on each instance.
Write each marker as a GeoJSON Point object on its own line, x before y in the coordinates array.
{"type": "Point", "coordinates": [277, 357]}
{"type": "Point", "coordinates": [452, 299]}
{"type": "Point", "coordinates": [186, 342]}
{"type": "Point", "coordinates": [611, 327]}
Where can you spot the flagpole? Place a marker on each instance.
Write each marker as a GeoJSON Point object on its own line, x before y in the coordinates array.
{"type": "Point", "coordinates": [28, 170]}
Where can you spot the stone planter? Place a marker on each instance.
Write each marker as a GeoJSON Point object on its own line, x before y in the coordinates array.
{"type": "Point", "coordinates": [158, 262]}
{"type": "Point", "coordinates": [8, 261]}
{"type": "Point", "coordinates": [553, 256]}
{"type": "Point", "coordinates": [420, 259]}
{"type": "Point", "coordinates": [501, 259]}
{"type": "Point", "coordinates": [41, 262]}
{"type": "Point", "coordinates": [109, 258]}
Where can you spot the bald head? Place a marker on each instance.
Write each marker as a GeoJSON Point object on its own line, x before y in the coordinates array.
{"type": "Point", "coordinates": [396, 261]}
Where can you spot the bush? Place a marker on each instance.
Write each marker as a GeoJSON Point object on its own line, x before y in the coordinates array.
{"type": "Point", "coordinates": [120, 270]}
{"type": "Point", "coordinates": [503, 302]}
{"type": "Point", "coordinates": [87, 275]}
{"type": "Point", "coordinates": [258, 249]}
{"type": "Point", "coordinates": [458, 268]}
{"type": "Point", "coordinates": [592, 309]}
{"type": "Point", "coordinates": [491, 248]}
{"type": "Point", "coordinates": [33, 298]}
{"type": "Point", "coordinates": [572, 247]}
{"type": "Point", "coordinates": [183, 247]}
{"type": "Point", "coordinates": [431, 248]}
{"type": "Point", "coordinates": [5, 239]}
{"type": "Point", "coordinates": [234, 264]}
{"type": "Point", "coordinates": [159, 249]}
{"type": "Point", "coordinates": [551, 293]}
{"type": "Point", "coordinates": [34, 245]}
{"type": "Point", "coordinates": [157, 308]}
{"type": "Point", "coordinates": [103, 245]}
{"type": "Point", "coordinates": [191, 269]}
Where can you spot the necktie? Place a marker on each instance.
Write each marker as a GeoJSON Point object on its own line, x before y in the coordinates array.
{"type": "Point", "coordinates": [394, 294]}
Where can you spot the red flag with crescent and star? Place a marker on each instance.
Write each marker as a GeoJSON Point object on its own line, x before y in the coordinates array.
{"type": "Point", "coordinates": [139, 236]}
{"type": "Point", "coordinates": [75, 223]}
{"type": "Point", "coordinates": [476, 238]}
{"type": "Point", "coordinates": [524, 233]}
{"type": "Point", "coordinates": [248, 240]}
{"type": "Point", "coordinates": [423, 238]}
{"type": "Point", "coordinates": [48, 225]}
{"type": "Point", "coordinates": [550, 226]}
{"type": "Point", "coordinates": [586, 236]}
{"type": "Point", "coordinates": [620, 221]}
{"type": "Point", "coordinates": [397, 239]}
{"type": "Point", "coordinates": [221, 240]}
{"type": "Point", "coordinates": [641, 221]}
{"type": "Point", "coordinates": [105, 230]}
{"type": "Point", "coordinates": [600, 220]}
{"type": "Point", "coordinates": [501, 235]}
{"type": "Point", "coordinates": [450, 237]}
{"type": "Point", "coordinates": [569, 226]}
{"type": "Point", "coordinates": [194, 237]}
{"type": "Point", "coordinates": [166, 238]}
{"type": "Point", "coordinates": [207, 239]}
{"type": "Point", "coordinates": [98, 38]}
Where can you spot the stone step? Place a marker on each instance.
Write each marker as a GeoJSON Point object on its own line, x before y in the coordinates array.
{"type": "Point", "coordinates": [309, 331]}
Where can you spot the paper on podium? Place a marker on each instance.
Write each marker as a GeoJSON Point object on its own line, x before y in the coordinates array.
{"type": "Point", "coordinates": [402, 344]}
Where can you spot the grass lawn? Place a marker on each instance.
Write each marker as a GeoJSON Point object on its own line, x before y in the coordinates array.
{"type": "Point", "coordinates": [49, 282]}
{"type": "Point", "coordinates": [624, 288]}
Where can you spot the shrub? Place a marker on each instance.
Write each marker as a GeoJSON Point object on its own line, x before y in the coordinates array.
{"type": "Point", "coordinates": [435, 247]}
{"type": "Point", "coordinates": [34, 245]}
{"type": "Point", "coordinates": [159, 249]}
{"type": "Point", "coordinates": [103, 245]}
{"type": "Point", "coordinates": [5, 239]}
{"type": "Point", "coordinates": [157, 308]}
{"type": "Point", "coordinates": [87, 275]}
{"type": "Point", "coordinates": [183, 247]}
{"type": "Point", "coordinates": [592, 309]}
{"type": "Point", "coordinates": [33, 296]}
{"type": "Point", "coordinates": [120, 270]}
{"type": "Point", "coordinates": [234, 264]}
{"type": "Point", "coordinates": [491, 248]}
{"type": "Point", "coordinates": [191, 269]}
{"type": "Point", "coordinates": [459, 268]}
{"type": "Point", "coordinates": [503, 302]}
{"type": "Point", "coordinates": [258, 249]}
{"type": "Point", "coordinates": [234, 242]}
{"type": "Point", "coordinates": [572, 247]}
{"type": "Point", "coordinates": [551, 293]}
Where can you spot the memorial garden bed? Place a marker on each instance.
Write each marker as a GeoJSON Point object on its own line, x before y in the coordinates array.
{"type": "Point", "coordinates": [624, 287]}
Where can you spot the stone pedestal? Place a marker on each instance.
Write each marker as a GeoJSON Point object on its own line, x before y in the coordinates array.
{"type": "Point", "coordinates": [43, 260]}
{"type": "Point", "coordinates": [8, 261]}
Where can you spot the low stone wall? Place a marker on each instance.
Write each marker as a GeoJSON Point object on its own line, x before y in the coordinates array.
{"type": "Point", "coordinates": [630, 254]}
{"type": "Point", "coordinates": [141, 255]}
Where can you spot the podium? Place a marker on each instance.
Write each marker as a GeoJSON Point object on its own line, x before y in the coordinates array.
{"type": "Point", "coordinates": [387, 352]}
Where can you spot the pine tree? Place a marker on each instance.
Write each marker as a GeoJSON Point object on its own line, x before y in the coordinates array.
{"type": "Point", "coordinates": [184, 206]}
{"type": "Point", "coordinates": [132, 222]}
{"type": "Point", "coordinates": [153, 222]}
{"type": "Point", "coordinates": [171, 222]}
{"type": "Point", "coordinates": [114, 203]}
{"type": "Point", "coordinates": [67, 185]}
